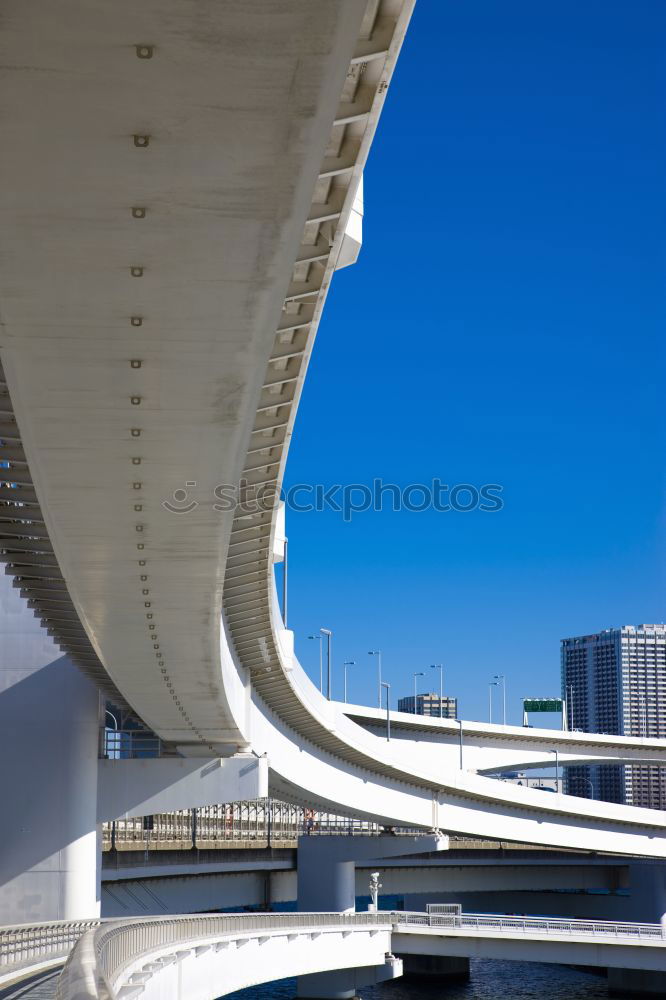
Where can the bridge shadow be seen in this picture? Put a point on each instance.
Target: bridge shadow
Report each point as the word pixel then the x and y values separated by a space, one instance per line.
pixel 48 766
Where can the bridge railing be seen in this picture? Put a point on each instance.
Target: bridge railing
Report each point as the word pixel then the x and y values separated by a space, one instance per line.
pixel 536 925
pixel 123 744
pixel 255 823
pixel 101 956
pixel 29 945
pixel 99 950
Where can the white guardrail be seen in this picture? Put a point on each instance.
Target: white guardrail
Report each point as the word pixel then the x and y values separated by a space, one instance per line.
pixel 29 946
pixel 436 917
pixel 98 961
pixel 100 950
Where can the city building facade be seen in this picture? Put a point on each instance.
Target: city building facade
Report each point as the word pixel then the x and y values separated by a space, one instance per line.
pixel 430 704
pixel 614 681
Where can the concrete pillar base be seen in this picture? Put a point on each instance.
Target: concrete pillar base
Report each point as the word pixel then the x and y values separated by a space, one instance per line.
pixel 436 967
pixel 49 718
pixel 327 986
pixel 636 983
pixel 343 983
pixel 327 883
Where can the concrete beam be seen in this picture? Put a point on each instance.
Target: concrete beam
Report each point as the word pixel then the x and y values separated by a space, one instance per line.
pixel 140 787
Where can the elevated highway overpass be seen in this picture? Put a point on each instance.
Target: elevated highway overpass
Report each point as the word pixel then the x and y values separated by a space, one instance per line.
pixel 180 184
pixel 491 749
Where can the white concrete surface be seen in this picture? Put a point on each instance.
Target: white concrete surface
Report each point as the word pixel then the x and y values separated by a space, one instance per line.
pixel 201 958
pixel 494 748
pixel 563 946
pixel 142 787
pixel 259 120
pixel 239 102
pixel 49 718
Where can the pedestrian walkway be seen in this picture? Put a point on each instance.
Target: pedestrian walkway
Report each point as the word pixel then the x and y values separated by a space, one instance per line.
pixel 39 987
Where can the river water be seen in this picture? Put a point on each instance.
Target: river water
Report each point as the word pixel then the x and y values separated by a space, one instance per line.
pixel 489 980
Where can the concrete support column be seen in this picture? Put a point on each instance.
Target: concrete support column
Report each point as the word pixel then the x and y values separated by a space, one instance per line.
pixel 636 983
pixel 436 968
pixel 325 884
pixel 326 879
pixel 647 902
pixel 49 717
pixel 647 891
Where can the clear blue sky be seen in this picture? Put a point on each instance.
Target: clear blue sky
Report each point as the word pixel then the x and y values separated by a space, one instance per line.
pixel 504 324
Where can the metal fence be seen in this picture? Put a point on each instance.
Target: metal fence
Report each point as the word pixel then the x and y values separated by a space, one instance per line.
pixel 533 925
pixel 251 823
pixel 116 946
pixel 120 744
pixel 24 945
pixel 444 910
pixel 115 943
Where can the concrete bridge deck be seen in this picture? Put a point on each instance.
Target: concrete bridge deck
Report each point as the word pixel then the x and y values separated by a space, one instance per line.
pixel 217 954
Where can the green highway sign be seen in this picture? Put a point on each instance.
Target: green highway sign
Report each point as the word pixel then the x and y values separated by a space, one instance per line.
pixel 542 704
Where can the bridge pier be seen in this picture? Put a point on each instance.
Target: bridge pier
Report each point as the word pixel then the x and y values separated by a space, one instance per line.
pixel 636 983
pixel 436 968
pixel 647 883
pixel 49 716
pixel 326 882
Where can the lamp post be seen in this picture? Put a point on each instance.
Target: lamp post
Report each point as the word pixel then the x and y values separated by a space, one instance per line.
pixel 321 660
pixel 440 667
pixel 388 709
pixel 502 678
pixel 493 684
pixel 115 752
pixel 285 583
pixel 347 663
pixel 327 632
pixel 557 769
pixel 378 654
pixel 375 886
pixel 419 673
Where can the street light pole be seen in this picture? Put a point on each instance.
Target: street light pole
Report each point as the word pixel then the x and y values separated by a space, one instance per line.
pixel 502 678
pixel 347 663
pixel 321 661
pixel 388 709
pixel 285 583
pixel 490 700
pixel 440 667
pixel 327 632
pixel 378 654
pixel 557 769
pixel 420 673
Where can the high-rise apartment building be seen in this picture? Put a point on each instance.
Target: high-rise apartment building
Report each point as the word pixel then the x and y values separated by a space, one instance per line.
pixel 429 704
pixel 615 682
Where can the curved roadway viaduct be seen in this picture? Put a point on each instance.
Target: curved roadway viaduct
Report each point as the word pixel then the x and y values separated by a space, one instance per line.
pixel 207 956
pixel 180 181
